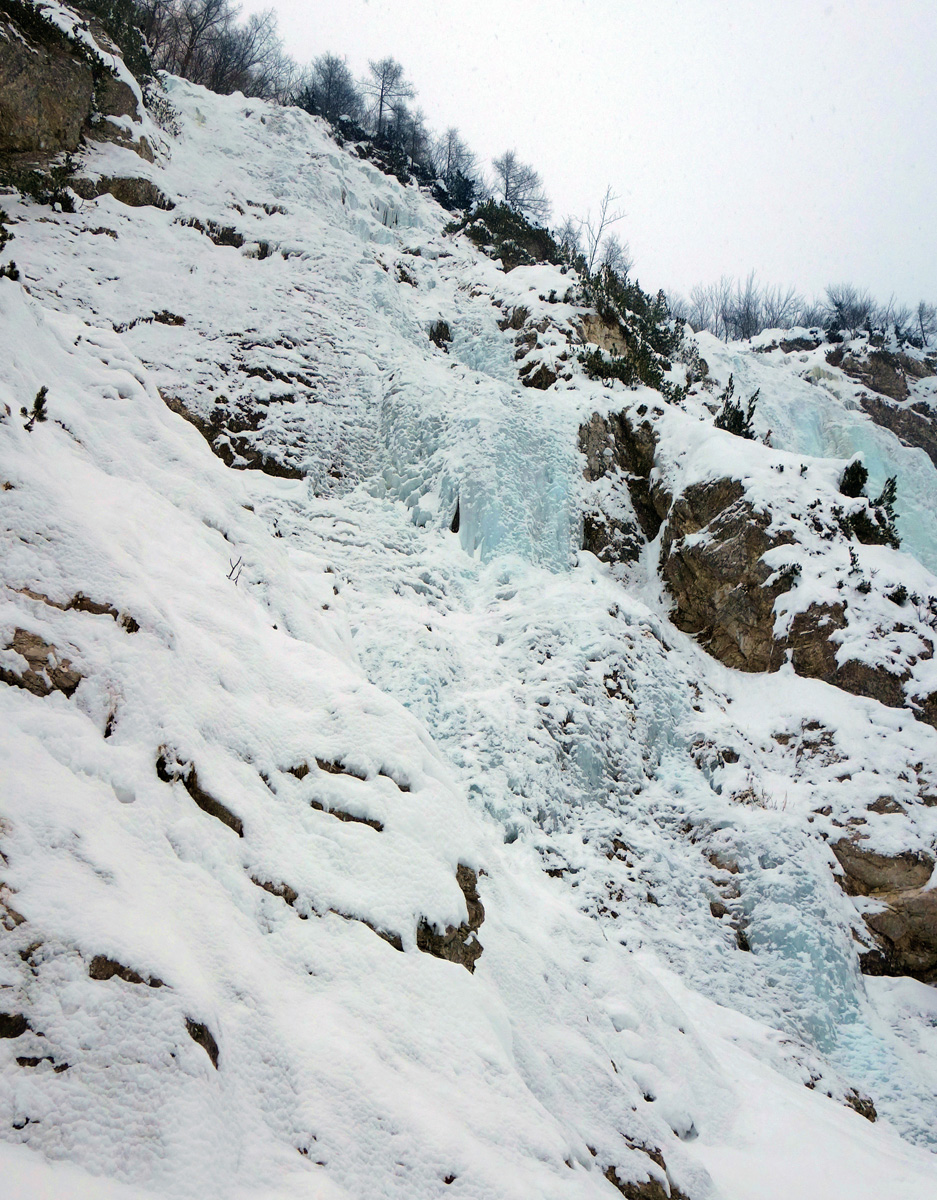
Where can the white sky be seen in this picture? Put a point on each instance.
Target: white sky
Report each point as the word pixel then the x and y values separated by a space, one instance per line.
pixel 796 137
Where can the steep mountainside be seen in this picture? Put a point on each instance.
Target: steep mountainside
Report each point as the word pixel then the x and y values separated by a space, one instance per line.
pixel 426 770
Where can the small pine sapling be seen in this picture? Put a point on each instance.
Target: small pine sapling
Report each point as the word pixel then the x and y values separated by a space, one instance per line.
pixel 879 528
pixel 38 412
pixel 854 479
pixel 8 271
pixel 732 417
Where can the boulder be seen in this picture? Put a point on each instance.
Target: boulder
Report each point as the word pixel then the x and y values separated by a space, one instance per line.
pixel 907 934
pixel 133 190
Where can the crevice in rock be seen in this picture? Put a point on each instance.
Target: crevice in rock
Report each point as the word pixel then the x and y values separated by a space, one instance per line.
pixel 13 1025
pixel 103 968
pixel 341 815
pixel 171 771
pixel 82 603
pixel 203 1036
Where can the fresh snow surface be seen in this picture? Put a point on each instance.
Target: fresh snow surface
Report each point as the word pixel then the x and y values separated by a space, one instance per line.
pixel 496 697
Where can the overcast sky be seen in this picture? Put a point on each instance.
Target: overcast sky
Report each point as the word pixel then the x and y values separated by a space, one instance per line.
pixel 795 137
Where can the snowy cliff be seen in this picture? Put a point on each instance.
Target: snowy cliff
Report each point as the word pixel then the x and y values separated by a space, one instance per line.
pixel 361 834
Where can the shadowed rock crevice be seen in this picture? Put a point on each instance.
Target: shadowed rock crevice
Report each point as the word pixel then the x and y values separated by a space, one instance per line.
pixel 203 1036
pixel 170 770
pixel 102 967
pixel 13 1025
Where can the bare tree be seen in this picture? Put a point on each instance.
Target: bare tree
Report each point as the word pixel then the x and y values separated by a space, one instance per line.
pixel 723 293
pixel 848 307
pixel 156 24
pixel 520 186
pixel 569 237
pixel 247 58
pixel 701 309
pixel 926 318
pixel 780 307
pixel 811 313
pixel 329 90
pixel 451 156
pixel 616 255
pixel 595 232
pixel 196 21
pixel 744 313
pixel 385 85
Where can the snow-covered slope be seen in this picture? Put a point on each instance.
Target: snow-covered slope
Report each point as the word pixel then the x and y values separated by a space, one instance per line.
pixel 274 727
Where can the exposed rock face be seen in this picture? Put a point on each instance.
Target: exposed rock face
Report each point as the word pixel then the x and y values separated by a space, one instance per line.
pixel 650 1189
pixel 104 968
pixel 905 929
pixel 622 451
pixel 913 427
pixel 712 559
pixel 881 371
pixel 459 944
pixel 45 672
pixel 54 92
pixel 46 89
pixel 169 770
pixel 607 336
pixel 867 873
pixel 202 1036
pixel 620 455
pixel 539 376
pixel 225 431
pixel 440 334
pixel 719 582
pixel 131 190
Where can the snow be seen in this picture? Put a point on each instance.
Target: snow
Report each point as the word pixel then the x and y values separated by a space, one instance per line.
pixel 493 697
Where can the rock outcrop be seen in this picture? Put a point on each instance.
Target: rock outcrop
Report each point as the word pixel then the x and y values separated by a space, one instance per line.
pixel 619 454
pixel 458 943
pixel 46 670
pixel 915 427
pixel 57 90
pixel 882 371
pixel 904 922
pixel 716 559
pixel 46 85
